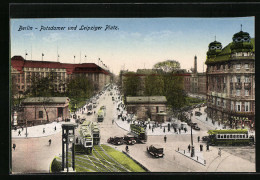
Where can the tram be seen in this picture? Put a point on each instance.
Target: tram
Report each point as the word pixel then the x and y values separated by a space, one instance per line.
pixel 89 135
pixel 139 132
pixel 230 137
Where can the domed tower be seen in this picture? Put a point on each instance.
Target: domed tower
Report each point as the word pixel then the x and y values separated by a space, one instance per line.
pixel 241 43
pixel 214 49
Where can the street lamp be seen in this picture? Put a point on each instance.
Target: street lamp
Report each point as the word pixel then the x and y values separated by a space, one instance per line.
pixel 192 147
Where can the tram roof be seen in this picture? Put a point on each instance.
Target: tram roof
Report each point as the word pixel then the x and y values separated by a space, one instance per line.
pixel 228 131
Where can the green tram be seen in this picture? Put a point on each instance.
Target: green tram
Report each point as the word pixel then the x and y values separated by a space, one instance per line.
pixel 230 137
pixel 89 135
pixel 139 132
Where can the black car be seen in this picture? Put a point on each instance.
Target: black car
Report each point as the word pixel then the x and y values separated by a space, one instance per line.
pixel 156 152
pixel 197 113
pixel 195 126
pixel 116 140
pixel 130 140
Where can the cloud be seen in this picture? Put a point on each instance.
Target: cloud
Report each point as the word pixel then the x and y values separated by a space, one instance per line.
pixel 30 35
pixel 52 37
pixel 162 35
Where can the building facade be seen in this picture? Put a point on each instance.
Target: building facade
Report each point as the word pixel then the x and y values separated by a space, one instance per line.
pixel 23 70
pixel 144 107
pixel 231 81
pixel 40 110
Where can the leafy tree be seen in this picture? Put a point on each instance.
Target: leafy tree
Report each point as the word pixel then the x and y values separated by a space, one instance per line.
pixel 154 85
pixel 131 84
pixel 168 66
pixel 173 90
pixel 80 87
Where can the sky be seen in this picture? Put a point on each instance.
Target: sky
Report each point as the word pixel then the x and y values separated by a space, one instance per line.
pixel 127 43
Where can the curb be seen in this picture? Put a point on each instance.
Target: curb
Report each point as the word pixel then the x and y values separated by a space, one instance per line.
pixel 136 161
pixel 190 158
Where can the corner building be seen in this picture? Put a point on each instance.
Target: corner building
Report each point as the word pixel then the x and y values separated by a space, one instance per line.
pixel 231 82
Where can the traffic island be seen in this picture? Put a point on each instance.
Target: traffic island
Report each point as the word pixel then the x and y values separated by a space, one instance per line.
pixel 198 157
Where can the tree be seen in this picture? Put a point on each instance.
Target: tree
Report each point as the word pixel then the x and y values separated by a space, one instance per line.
pixel 168 66
pixel 80 87
pixel 131 84
pixel 154 85
pixel 173 90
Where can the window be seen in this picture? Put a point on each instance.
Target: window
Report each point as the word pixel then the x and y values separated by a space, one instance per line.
pixel 238 91
pixel 246 92
pixel 238 106
pixel 218 102
pixel 247 106
pixel 247 80
pixel 238 79
pixel 40 114
pixel 224 103
pixel 238 66
pixel 246 66
pixel 232 105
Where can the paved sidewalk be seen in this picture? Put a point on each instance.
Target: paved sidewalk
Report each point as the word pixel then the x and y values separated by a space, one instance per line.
pixel 37 131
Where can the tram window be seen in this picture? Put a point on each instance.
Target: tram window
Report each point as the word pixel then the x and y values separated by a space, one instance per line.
pixel 246 136
pixel 221 136
pixel 225 136
pixel 243 136
pixel 240 136
pixel 234 136
pixel 228 136
pixel 218 136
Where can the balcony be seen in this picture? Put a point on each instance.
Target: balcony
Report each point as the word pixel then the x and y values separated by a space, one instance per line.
pixel 238 85
pixel 247 85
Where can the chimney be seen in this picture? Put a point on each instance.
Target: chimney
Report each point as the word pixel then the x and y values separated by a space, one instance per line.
pixel 195 64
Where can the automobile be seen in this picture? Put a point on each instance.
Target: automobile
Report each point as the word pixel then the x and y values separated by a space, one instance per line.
pixel 197 113
pixel 129 140
pixel 195 126
pixel 116 140
pixel 156 152
pixel 205 138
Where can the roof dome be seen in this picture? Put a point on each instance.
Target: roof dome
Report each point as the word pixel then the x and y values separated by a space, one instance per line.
pixel 241 42
pixel 241 37
pixel 214 48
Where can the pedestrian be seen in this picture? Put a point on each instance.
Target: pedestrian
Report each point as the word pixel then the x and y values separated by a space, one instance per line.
pixel 175 130
pixel 14 146
pixel 219 152
pixel 189 147
pixel 165 138
pixel 201 147
pixel 164 129
pixel 198 138
pixel 126 148
pixel 19 133
pixel 43 130
pixel 113 121
pixel 15 128
pixel 206 118
pixel 185 129
pixel 55 128
pixel 152 129
pixel 149 126
pixel 207 147
pixel 49 142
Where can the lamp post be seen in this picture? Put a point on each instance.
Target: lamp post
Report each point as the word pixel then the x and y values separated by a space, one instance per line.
pixel 192 147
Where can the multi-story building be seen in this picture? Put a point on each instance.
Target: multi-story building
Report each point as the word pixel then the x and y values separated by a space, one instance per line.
pixel 22 70
pixel 231 81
